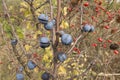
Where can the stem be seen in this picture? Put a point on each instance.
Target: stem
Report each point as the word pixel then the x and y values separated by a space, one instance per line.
pixel 20 61
pixel 51 17
pixel 81 14
pixel 55 44
pixel 58 13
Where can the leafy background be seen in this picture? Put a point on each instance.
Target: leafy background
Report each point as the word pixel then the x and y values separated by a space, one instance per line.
pixel 24 23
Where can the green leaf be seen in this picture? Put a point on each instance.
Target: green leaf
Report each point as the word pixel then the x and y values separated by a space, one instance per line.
pixel 20 32
pixel 7 29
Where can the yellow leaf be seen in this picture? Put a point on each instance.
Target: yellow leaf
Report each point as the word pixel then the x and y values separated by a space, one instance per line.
pixel 81 65
pixel 23 4
pixel 75 79
pixel 68 60
pixel 37 3
pixel 74 64
pixel 9 67
pixel 64 25
pixel 107 53
pixel 49 52
pixel 39 32
pixel 45 58
pixel 36 70
pixel 28 25
pixel 10 7
pixel 65 11
pixel 75 72
pixel 35 36
pixel 27 47
pixel 22 9
pixel 61 70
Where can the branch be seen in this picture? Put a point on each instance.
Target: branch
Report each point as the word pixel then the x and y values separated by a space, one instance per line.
pixel 74 44
pixel 47 1
pixel 81 14
pixel 32 9
pixel 103 74
pixel 20 61
pixel 57 40
pixel 86 70
pixel 58 13
pixel 81 20
pixel 51 17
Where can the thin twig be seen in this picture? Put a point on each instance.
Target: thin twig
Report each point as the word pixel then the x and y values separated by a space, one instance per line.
pixel 47 1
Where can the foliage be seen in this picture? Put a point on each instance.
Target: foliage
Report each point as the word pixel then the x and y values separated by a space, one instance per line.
pixel 88 57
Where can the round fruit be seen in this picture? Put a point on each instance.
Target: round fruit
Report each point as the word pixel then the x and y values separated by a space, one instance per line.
pixel 44 42
pixel 45 76
pixel 114 46
pixel 14 42
pixel 43 18
pixel 50 25
pixel 61 57
pixel 92 29
pixel 31 65
pixel 66 39
pixel 116 52
pixel 19 76
pixel 86 4
pixel 86 28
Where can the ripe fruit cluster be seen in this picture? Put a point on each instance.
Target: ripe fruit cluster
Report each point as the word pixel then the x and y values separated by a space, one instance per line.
pixel 48 25
pixel 88 28
pixel 66 39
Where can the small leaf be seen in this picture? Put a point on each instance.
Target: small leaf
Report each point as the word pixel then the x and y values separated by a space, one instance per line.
pixel 23 4
pixel 29 25
pixel 61 70
pixel 64 25
pixel 48 55
pixel 65 11
pixel 22 10
pixel 27 47
pixel 36 70
pixel 20 32
pixel 75 72
pixel 9 67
